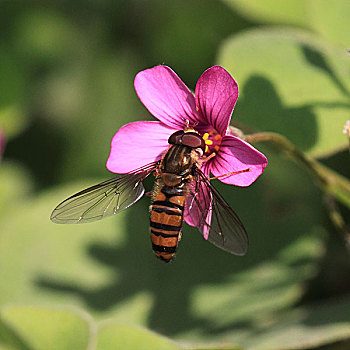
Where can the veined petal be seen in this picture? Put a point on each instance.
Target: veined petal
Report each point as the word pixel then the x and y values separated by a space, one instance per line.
pixel 216 95
pixel 137 144
pixel 235 155
pixel 166 96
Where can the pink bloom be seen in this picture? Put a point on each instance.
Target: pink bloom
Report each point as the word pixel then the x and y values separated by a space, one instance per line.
pixel 209 112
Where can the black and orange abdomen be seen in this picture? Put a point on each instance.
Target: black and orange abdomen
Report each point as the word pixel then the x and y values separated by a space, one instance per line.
pixel 167 211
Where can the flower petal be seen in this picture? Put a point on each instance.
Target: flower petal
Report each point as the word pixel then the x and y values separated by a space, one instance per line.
pixel 234 155
pixel 216 95
pixel 166 96
pixel 137 144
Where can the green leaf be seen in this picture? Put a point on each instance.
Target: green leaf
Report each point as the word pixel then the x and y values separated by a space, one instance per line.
pixel 275 11
pixel 47 328
pixel 113 335
pixel 327 18
pixel 15 184
pixel 330 20
pixel 291 83
pixel 9 339
pixel 35 250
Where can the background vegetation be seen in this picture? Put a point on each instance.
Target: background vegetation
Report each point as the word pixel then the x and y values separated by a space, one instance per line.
pixel 66 82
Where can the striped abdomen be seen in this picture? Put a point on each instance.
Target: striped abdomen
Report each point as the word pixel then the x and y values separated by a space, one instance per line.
pixel 167 211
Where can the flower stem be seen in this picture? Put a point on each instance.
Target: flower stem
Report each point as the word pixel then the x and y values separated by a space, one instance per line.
pixel 329 181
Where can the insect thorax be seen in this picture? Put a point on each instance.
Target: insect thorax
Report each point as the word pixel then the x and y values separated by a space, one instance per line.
pixel 177 165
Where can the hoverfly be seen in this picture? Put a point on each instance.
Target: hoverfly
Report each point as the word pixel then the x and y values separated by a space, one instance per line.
pixel 181 188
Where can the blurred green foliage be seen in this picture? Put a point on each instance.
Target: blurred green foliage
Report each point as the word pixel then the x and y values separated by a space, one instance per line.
pixel 67 71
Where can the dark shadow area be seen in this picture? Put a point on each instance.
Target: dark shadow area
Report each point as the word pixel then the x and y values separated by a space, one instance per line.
pixel 39 148
pixel 333 277
pixel 261 106
pixel 336 345
pixel 340 312
pixel 316 59
pixel 339 162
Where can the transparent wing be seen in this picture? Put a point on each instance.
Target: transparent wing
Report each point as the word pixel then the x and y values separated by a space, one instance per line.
pixel 210 213
pixel 102 200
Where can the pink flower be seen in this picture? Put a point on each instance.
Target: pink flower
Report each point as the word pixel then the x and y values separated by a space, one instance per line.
pixel 209 112
pixel 166 97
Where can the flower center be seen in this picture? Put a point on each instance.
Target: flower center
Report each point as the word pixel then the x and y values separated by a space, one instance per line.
pixel 212 141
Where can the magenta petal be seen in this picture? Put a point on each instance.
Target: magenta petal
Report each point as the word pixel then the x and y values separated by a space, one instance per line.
pixel 137 144
pixel 166 96
pixel 198 208
pixel 216 95
pixel 234 155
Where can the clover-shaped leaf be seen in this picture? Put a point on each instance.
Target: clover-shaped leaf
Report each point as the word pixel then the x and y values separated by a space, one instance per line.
pixel 46 328
pixel 292 83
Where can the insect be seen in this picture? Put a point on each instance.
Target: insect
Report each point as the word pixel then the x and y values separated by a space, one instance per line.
pixel 181 188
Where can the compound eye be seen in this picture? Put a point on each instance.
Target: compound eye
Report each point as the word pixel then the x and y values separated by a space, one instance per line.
pixel 193 140
pixel 175 138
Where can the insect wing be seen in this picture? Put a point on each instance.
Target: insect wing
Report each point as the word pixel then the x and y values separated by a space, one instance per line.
pixel 209 212
pixel 103 200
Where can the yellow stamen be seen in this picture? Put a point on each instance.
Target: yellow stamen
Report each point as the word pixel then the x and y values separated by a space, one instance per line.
pixel 205 136
pixel 206 149
pixel 208 142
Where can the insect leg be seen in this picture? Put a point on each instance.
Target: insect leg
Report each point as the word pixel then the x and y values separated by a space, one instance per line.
pixel 229 174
